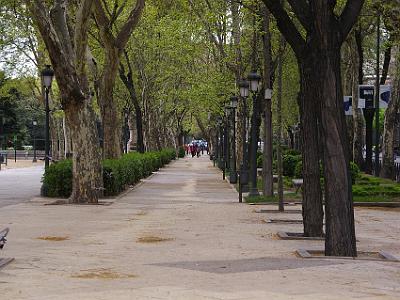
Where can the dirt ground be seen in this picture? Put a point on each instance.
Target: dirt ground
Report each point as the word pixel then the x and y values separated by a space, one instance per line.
pixel 181 234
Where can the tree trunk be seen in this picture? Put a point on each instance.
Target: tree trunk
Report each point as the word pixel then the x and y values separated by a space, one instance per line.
pixel 357 78
pixel 112 139
pixel 312 195
pixel 391 121
pixel 87 170
pixel 268 184
pixel 340 232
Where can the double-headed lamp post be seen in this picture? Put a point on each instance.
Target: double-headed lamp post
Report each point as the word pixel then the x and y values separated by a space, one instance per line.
pixel 47 78
pixel 233 172
pixel 254 84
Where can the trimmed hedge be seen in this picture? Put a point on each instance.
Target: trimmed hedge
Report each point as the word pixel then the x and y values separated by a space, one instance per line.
pixel 117 173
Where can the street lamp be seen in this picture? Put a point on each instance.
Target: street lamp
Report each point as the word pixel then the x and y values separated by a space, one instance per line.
pixel 244 172
pixel 34 123
pixel 233 172
pixel 218 150
pixel 254 80
pixel 226 140
pixel 47 78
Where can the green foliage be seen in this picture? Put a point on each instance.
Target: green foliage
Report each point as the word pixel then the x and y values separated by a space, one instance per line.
pixel 298 170
pixel 354 171
pixel 373 189
pixel 117 173
pixel 58 179
pixel 181 152
pixel 289 164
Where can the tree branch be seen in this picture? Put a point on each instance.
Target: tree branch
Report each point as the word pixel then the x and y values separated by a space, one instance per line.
pixel 130 24
pixel 81 34
pixel 302 11
pixel 349 16
pixel 286 26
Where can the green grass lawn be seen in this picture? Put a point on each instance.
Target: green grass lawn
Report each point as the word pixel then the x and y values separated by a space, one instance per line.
pixel 366 189
pixel 288 197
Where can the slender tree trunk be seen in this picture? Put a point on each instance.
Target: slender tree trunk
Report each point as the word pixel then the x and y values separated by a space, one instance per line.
pixel 268 184
pixel 87 171
pixel 279 119
pixel 357 60
pixel 391 121
pixel 340 231
pixel 312 195
pixel 112 139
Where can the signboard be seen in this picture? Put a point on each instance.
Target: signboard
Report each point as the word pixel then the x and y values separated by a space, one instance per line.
pixel 366 95
pixel 348 105
pixel 385 93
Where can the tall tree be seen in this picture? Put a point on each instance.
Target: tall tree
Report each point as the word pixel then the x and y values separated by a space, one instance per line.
pixel 67 47
pixel 318 56
pixel 114 44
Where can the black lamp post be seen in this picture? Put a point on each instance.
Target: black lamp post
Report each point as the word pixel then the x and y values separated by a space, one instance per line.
pixel 219 142
pixel 254 80
pixel 47 78
pixel 232 168
pixel 244 170
pixel 34 124
pixel 226 141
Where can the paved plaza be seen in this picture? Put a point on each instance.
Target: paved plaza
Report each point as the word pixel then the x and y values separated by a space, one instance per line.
pixel 181 234
pixel 19 182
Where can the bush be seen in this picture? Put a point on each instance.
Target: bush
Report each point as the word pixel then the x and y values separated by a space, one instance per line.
pixel 259 159
pixel 298 170
pixel 181 152
pixel 354 171
pixel 58 179
pixel 117 173
pixel 292 152
pixel 289 164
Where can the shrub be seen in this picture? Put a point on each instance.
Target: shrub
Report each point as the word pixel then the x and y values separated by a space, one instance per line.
pixel 181 152
pixel 298 170
pixel 58 179
pixel 354 171
pixel 259 161
pixel 289 164
pixel 292 152
pixel 117 173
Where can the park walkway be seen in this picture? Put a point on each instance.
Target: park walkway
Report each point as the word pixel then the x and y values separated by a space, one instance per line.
pixel 181 234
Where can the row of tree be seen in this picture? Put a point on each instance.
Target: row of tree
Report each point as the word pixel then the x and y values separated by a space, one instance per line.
pixel 169 67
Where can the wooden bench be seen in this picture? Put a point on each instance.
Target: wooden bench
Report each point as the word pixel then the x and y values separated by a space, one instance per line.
pixel 298 184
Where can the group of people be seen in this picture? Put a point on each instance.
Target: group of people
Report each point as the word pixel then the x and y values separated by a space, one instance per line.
pixel 196 148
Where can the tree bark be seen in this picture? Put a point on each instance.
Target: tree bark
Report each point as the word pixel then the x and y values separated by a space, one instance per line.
pixel 127 79
pixel 319 60
pixel 68 60
pixel 114 45
pixel 112 139
pixel 358 78
pixel 268 183
pixel 87 184
pixel 391 120
pixel 312 196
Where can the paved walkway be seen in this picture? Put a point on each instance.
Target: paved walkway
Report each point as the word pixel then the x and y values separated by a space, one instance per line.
pixel 19 184
pixel 182 235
